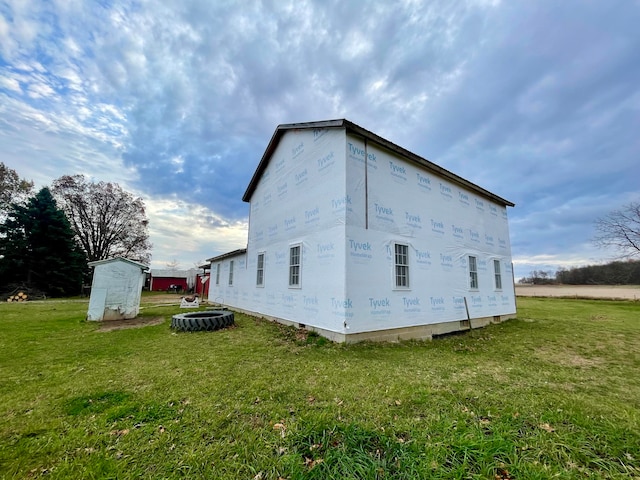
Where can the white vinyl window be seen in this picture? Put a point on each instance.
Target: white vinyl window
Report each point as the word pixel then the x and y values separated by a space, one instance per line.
pixel 473 272
pixel 260 270
pixel 402 265
pixel 231 273
pixel 295 265
pixel 497 274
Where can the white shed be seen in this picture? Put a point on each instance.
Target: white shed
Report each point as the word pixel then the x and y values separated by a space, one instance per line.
pixel 116 289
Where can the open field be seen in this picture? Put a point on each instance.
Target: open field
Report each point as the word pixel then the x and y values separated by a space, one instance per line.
pixel 611 292
pixel 552 394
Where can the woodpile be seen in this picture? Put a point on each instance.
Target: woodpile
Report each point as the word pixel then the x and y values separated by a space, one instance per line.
pixel 19 297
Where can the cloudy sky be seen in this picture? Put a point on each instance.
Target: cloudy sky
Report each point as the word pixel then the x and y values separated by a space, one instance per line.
pixel 176 100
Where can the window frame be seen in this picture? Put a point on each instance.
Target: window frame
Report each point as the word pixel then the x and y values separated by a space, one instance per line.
pixel 295 269
pixel 260 269
pixel 474 284
pixel 401 277
pixel 497 273
pixel 231 273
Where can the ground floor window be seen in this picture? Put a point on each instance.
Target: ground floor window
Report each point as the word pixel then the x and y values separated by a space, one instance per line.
pixel 231 273
pixel 260 270
pixel 402 265
pixel 218 274
pixel 497 274
pixel 295 264
pixel 473 272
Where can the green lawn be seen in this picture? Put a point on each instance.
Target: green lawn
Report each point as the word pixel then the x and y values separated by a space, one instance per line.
pixel 553 394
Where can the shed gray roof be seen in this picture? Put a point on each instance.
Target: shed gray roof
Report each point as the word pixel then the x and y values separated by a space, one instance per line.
pixel 118 259
pixel 356 130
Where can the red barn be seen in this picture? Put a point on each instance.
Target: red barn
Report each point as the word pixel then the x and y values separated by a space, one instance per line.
pixel 169 281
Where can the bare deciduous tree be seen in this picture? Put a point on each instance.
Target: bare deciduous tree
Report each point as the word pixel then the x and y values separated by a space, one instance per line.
pixel 107 221
pixel 173 264
pixel 13 189
pixel 620 229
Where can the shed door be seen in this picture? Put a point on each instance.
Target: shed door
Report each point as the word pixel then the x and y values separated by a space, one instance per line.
pixel 97 303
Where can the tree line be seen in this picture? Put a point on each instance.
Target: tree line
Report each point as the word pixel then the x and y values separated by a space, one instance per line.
pixel 614 273
pixel 618 230
pixel 47 238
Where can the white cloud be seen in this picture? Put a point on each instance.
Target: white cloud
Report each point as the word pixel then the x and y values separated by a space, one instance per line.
pixel 10 83
pixel 190 232
pixel 39 90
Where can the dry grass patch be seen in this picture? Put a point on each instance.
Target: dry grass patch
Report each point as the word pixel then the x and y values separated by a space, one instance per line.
pixel 567 358
pixel 138 322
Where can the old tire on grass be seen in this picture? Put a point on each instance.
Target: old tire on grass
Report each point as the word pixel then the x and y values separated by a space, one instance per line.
pixel 208 320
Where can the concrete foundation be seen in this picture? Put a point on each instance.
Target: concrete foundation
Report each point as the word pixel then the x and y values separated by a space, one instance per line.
pixel 418 332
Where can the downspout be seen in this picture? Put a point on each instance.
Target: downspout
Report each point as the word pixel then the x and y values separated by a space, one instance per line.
pixel 366 187
pixel 513 282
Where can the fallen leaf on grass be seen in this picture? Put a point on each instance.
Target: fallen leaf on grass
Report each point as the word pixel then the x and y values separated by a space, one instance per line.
pixel 119 433
pixel 547 427
pixel 280 426
pixel 258 476
pixel 503 474
pixel 161 429
pixel 309 462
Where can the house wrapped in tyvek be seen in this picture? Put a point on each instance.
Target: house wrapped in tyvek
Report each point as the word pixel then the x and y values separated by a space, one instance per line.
pixel 357 238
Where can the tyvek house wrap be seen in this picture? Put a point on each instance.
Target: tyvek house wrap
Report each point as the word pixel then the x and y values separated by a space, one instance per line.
pixel 347 214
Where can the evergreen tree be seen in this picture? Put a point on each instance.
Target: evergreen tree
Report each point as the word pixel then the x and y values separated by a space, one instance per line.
pixel 37 247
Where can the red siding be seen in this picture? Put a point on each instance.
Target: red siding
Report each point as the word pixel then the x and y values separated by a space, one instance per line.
pixel 202 289
pixel 163 283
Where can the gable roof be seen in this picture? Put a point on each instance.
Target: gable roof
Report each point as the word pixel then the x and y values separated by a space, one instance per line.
pixel 357 130
pixel 235 253
pixel 118 259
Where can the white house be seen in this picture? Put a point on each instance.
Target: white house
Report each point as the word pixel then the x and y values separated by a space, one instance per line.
pixel 116 289
pixel 357 238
